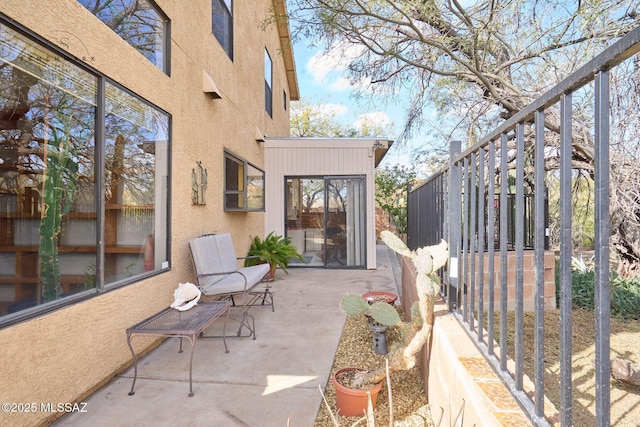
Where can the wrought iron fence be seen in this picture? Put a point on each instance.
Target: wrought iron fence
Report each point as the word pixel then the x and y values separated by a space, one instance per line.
pixel 453 204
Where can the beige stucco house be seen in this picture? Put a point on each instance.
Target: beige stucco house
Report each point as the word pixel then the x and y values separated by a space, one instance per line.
pixel 124 132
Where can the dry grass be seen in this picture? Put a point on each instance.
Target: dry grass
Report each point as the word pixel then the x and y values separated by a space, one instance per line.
pixel 409 400
pixel 625 344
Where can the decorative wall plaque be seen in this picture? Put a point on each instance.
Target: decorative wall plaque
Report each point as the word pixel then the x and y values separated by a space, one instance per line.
pixel 199 185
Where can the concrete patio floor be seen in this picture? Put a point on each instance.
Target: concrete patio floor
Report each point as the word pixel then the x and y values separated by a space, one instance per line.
pixel 272 381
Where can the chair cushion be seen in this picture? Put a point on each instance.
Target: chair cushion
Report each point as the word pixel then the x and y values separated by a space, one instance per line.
pixel 213 254
pixel 233 283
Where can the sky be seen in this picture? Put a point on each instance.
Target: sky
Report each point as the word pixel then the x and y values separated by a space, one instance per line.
pixel 322 79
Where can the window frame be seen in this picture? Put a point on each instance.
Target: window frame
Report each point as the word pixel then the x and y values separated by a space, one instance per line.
pixel 223 11
pixel 268 83
pixel 100 286
pixel 242 194
pixel 165 62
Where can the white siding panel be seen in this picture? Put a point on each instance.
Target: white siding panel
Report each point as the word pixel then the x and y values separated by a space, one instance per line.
pixel 307 157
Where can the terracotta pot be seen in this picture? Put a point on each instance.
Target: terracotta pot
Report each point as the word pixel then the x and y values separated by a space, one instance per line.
pixel 375 296
pixel 352 402
pixel 272 272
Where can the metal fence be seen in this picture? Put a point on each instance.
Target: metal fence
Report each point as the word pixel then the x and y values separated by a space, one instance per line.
pixel 453 204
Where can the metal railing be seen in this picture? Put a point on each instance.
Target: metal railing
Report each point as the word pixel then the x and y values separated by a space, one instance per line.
pixel 453 205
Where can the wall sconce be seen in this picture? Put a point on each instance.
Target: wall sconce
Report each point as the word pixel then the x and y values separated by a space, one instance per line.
pixel 198 185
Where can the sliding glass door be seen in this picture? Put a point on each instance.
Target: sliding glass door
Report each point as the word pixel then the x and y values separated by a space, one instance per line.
pixel 326 220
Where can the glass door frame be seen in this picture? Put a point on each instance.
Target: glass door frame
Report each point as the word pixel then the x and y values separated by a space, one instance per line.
pixel 339 245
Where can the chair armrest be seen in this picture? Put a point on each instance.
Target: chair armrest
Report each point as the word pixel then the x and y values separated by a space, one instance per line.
pixel 252 256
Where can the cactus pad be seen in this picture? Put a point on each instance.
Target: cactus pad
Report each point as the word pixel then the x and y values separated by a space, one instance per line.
pixel 353 304
pixel 384 314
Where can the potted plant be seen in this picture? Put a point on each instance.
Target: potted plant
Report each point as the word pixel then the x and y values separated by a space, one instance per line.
pixel 415 333
pixel 276 249
pixel 350 401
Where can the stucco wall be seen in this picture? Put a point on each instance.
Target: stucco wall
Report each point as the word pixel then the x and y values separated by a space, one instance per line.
pixel 64 355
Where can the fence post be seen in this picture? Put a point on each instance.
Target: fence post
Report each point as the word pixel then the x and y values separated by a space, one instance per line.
pixel 409 229
pixel 455 224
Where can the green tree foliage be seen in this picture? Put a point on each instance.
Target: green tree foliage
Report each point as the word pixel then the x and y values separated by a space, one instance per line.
pixel 312 120
pixel 475 62
pixel 625 292
pixel 320 120
pixel 391 192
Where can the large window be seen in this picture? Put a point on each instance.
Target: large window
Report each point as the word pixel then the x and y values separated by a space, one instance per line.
pixel 140 23
pixel 268 83
pixel 135 185
pixel 222 24
pixel 83 180
pixel 243 186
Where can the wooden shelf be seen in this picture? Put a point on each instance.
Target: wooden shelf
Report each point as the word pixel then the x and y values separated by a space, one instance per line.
pixel 112 206
pixel 25 279
pixel 77 249
pixel 81 215
pixel 16 279
pixel 65 278
pixel 74 214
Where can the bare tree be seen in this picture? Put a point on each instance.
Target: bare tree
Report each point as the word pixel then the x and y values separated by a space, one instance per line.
pixel 484 62
pixel 625 161
pixel 478 63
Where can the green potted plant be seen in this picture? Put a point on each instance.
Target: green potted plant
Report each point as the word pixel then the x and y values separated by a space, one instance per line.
pixel 277 249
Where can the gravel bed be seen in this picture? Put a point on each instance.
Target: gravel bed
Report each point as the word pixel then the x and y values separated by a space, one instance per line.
pixel 409 400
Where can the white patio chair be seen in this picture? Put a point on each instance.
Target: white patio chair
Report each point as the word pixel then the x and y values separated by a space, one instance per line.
pixel 218 275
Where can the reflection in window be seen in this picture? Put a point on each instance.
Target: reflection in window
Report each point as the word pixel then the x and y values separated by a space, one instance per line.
pixel 255 188
pixel 222 24
pixel 268 83
pixel 49 206
pixel 135 137
pixel 139 22
pixel 244 185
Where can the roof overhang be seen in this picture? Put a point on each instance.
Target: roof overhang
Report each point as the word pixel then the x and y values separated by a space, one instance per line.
pixel 282 22
pixel 378 147
pixel 381 147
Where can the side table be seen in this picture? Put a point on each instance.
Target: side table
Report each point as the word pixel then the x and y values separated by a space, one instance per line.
pixel 182 324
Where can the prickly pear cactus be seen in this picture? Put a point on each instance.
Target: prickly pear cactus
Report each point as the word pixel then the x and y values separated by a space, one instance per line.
pixel 354 305
pixel 384 313
pixel 427 260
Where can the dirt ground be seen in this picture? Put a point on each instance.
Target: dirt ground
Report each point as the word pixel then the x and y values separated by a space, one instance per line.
pixel 625 344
